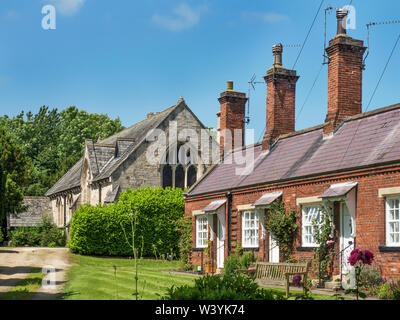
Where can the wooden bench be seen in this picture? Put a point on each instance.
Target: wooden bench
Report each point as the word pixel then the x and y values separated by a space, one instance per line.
pixel 268 273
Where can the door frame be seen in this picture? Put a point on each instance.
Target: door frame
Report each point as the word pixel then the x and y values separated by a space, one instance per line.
pixel 276 247
pixel 220 240
pixel 342 245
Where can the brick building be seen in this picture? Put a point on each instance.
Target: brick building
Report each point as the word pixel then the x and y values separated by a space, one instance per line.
pixel 350 163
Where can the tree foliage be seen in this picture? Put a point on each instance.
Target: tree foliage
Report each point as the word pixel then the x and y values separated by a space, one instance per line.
pixel 15 169
pixel 54 141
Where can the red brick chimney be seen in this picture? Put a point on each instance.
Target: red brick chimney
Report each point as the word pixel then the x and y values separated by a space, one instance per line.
pixel 231 118
pixel 344 75
pixel 281 94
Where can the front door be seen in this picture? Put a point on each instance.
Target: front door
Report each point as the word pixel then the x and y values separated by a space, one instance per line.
pixel 346 240
pixel 220 244
pixel 273 249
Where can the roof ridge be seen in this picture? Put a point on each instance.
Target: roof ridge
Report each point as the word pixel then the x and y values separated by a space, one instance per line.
pixel 373 112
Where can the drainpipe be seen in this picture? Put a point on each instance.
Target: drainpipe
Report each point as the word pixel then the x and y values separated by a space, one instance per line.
pixel 65 214
pixel 228 219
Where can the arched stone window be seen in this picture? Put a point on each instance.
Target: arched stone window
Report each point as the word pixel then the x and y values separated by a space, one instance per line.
pixel 191 176
pixel 167 176
pixel 179 177
pixel 181 167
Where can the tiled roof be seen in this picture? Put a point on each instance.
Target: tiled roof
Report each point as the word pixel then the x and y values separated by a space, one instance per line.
pixel 339 189
pixel 104 152
pixel 268 198
pixel 215 205
pixel 364 140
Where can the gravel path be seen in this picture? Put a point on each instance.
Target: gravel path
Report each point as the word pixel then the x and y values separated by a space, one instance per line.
pixel 16 263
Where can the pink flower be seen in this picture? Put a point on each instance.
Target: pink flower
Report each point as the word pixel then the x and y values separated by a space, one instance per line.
pixel 329 242
pixel 354 257
pixel 366 256
pixel 296 280
pixel 252 268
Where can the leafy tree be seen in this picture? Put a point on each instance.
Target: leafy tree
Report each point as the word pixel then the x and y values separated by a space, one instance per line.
pixel 54 141
pixel 15 169
pixel 76 126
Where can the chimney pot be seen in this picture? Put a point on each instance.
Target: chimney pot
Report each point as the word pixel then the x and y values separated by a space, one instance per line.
pixel 281 95
pixel 341 15
pixel 345 68
pixel 231 118
pixel 277 52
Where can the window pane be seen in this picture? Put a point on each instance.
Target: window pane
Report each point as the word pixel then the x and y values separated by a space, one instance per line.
pixel 250 229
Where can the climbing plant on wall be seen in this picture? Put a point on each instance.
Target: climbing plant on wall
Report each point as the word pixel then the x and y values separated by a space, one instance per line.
pixel 282 224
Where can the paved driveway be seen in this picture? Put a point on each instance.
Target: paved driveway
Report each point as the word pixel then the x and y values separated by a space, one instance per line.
pixel 16 263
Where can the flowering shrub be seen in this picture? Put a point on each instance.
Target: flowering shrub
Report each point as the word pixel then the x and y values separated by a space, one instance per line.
pixel 283 225
pixel 394 288
pixel 364 256
pixel 296 280
pixel 359 259
pixel 324 253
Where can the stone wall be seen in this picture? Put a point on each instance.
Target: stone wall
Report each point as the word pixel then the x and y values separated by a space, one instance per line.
pixel 36 209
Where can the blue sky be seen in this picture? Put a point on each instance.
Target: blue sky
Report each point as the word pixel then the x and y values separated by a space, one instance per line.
pixel 128 58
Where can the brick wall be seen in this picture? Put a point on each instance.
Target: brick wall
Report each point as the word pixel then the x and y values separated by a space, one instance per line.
pixel 281 100
pixel 344 79
pixel 233 107
pixel 370 217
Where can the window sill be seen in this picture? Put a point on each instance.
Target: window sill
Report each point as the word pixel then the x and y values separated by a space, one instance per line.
pixel 305 249
pixel 251 248
pixel 389 249
pixel 198 249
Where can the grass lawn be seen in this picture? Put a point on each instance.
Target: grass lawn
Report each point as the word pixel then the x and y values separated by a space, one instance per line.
pixel 25 288
pixel 93 278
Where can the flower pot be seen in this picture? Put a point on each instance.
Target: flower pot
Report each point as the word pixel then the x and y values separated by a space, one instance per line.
pixel 210 268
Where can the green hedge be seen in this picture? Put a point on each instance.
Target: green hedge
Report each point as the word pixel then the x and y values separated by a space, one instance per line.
pixel 100 230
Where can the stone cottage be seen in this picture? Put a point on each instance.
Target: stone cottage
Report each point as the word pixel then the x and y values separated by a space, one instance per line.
pixel 122 161
pixel 350 163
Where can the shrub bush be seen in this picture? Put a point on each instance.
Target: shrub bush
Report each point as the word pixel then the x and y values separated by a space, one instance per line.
pixel 371 280
pixel 236 262
pixel 45 235
pixel 231 264
pixel 100 230
pixel 395 290
pixel 232 287
pixel 384 291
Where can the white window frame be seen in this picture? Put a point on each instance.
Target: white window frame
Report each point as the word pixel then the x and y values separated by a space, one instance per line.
pixel 201 233
pixel 388 220
pixel 306 225
pixel 255 228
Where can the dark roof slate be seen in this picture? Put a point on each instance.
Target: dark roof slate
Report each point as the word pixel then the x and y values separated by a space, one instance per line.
pixel 364 140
